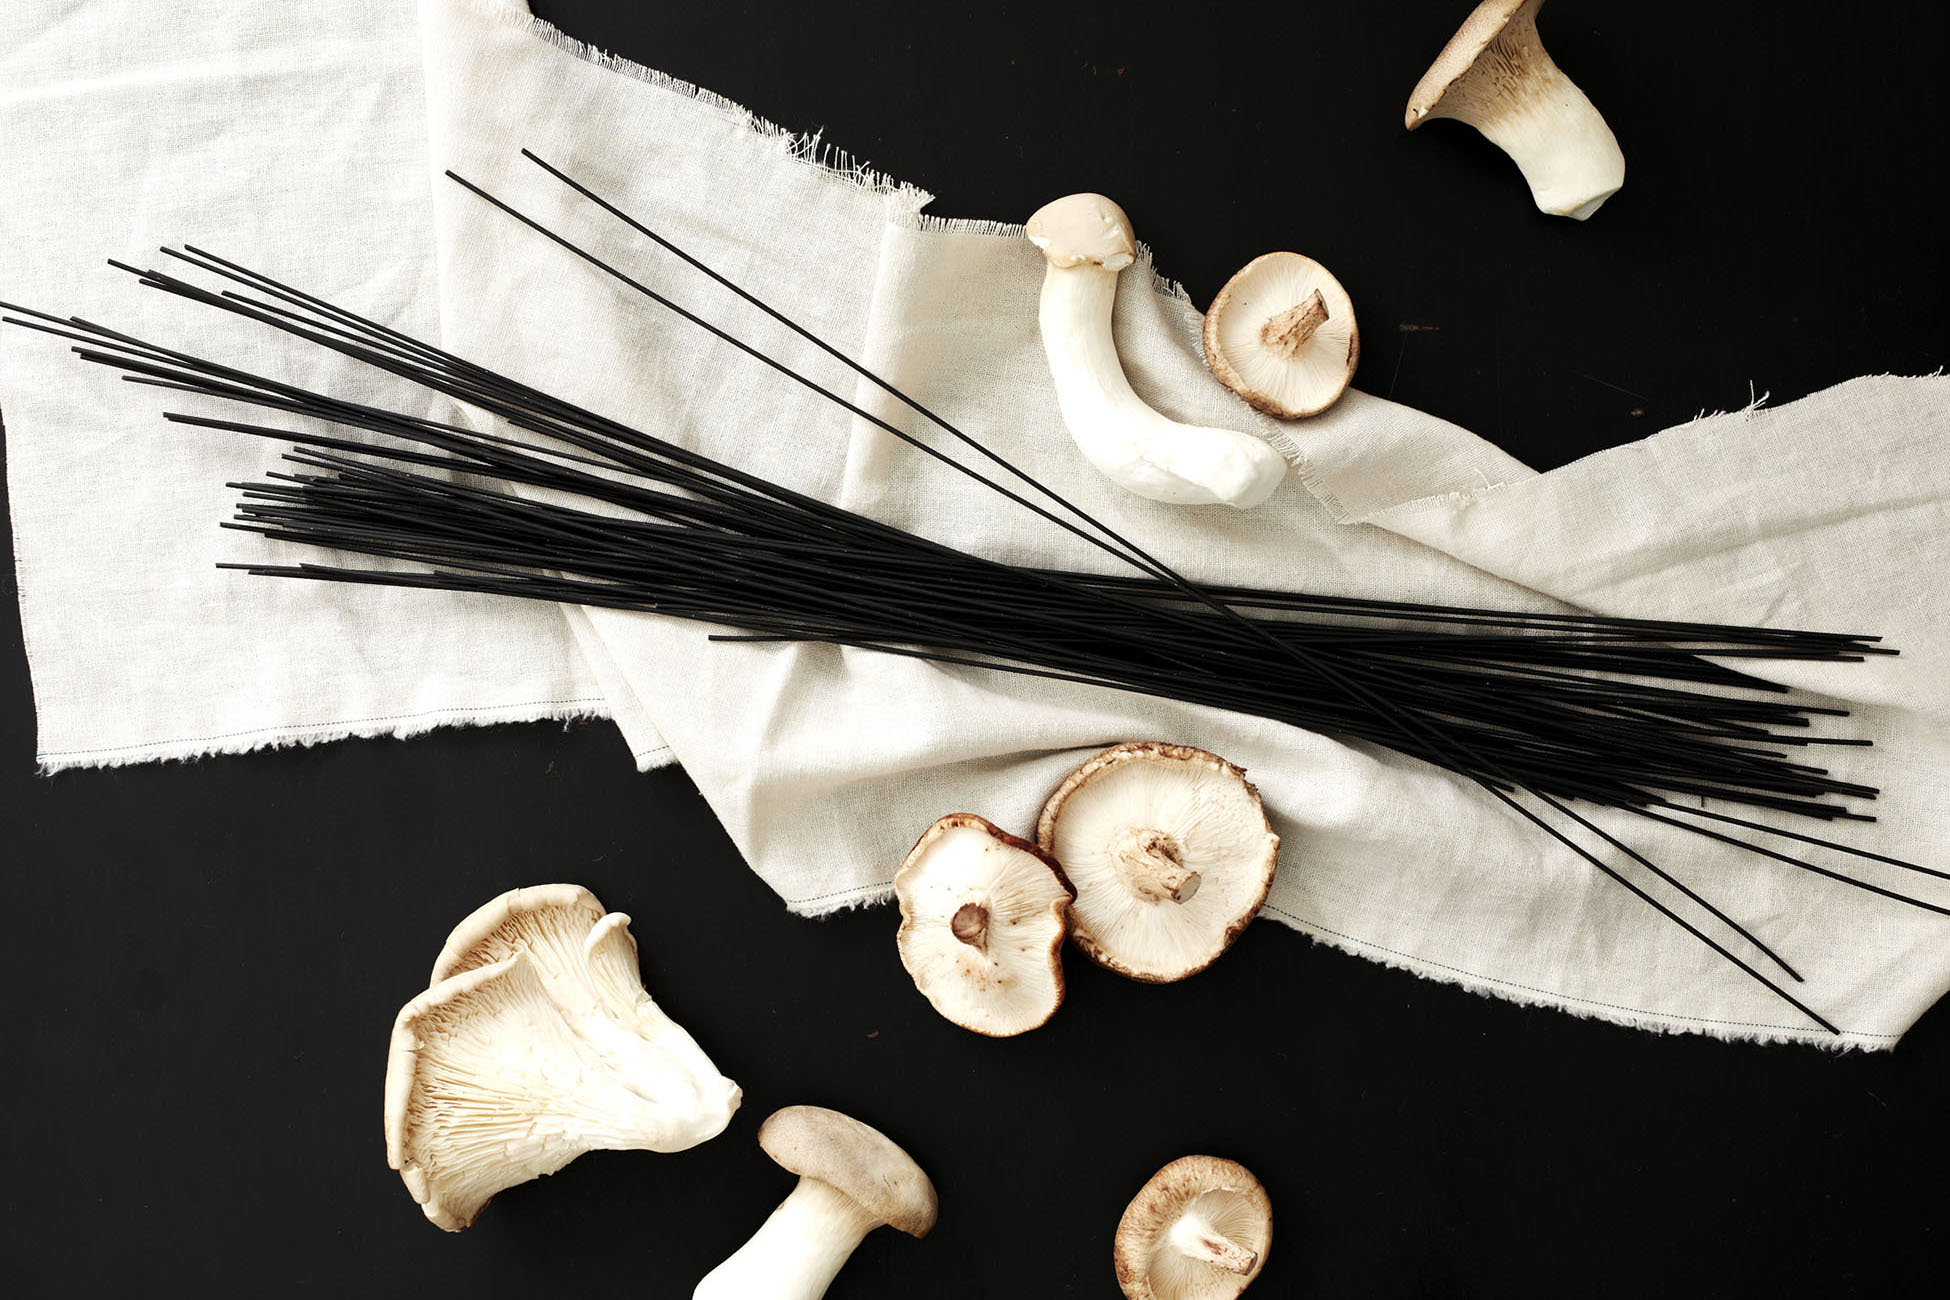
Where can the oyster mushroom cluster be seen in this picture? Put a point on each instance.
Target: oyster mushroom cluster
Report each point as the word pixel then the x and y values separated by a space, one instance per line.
pixel 1150 857
pixel 535 1042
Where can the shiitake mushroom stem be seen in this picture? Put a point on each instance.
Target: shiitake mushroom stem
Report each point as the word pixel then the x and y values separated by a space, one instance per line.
pixel 1288 332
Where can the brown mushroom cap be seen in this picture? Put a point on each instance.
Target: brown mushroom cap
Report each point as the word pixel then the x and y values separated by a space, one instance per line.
pixel 1170 852
pixel 855 1159
pixel 1199 1230
pixel 1282 335
pixel 983 916
pixel 1083 229
pixel 1482 26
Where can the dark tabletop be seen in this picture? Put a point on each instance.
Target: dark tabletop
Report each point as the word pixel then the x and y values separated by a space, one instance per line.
pixel 206 957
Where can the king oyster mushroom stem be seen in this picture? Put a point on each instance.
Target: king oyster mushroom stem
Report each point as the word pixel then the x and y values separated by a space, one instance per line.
pixel 852 1179
pixel 1086 240
pixel 1198 1230
pixel 983 916
pixel 536 1043
pixel 1170 852
pixel 1495 75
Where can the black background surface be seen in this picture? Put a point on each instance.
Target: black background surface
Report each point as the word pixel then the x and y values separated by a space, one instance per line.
pixel 203 959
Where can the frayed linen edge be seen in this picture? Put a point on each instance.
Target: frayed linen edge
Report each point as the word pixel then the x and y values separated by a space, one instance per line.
pixel 820 906
pixel 396 727
pixel 1732 1031
pixel 808 147
pixel 1657 1022
pixel 1757 404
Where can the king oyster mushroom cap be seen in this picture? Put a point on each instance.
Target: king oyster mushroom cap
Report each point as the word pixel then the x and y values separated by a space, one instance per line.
pixel 982 925
pixel 1495 75
pixel 1199 1230
pixel 1281 334
pixel 505 1071
pixel 852 1179
pixel 1086 240
pixel 1170 852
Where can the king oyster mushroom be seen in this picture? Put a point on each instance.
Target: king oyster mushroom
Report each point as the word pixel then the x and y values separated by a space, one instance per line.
pixel 1199 1230
pixel 537 1042
pixel 1169 851
pixel 982 925
pixel 1086 240
pixel 1495 75
pixel 852 1179
pixel 1281 334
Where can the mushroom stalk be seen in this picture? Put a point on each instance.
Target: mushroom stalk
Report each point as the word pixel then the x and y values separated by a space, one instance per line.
pixel 971 926
pixel 1136 446
pixel 1152 866
pixel 1558 140
pixel 797 1252
pixel 1289 331
pixel 1087 240
pixel 1195 1237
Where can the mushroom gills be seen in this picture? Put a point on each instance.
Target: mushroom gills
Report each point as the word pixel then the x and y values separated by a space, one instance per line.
pixel 1169 851
pixel 1199 1229
pixel 536 1042
pixel 1495 75
pixel 1214 1232
pixel 1282 335
pixel 983 918
pixel 492 1083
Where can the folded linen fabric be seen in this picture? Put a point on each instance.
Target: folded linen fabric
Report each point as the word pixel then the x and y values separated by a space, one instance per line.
pixel 825 762
pixel 292 134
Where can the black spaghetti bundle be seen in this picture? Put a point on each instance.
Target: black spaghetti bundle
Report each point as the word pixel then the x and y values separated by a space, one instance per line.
pixel 1542 710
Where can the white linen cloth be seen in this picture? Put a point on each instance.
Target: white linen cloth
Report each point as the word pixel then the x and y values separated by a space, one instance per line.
pixel 825 763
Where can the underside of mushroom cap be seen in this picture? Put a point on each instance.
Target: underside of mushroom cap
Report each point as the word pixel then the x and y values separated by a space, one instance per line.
pixel 1170 852
pixel 1484 24
pixel 540 1042
pixel 549 921
pixel 490 1083
pixel 1200 1229
pixel 1495 75
pixel 982 925
pixel 1282 335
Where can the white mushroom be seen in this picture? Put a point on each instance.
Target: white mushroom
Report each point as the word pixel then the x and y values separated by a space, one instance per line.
pixel 852 1179
pixel 1087 240
pixel 1199 1230
pixel 1281 334
pixel 1170 852
pixel 1495 75
pixel 536 1045
pixel 982 925
pixel 549 922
